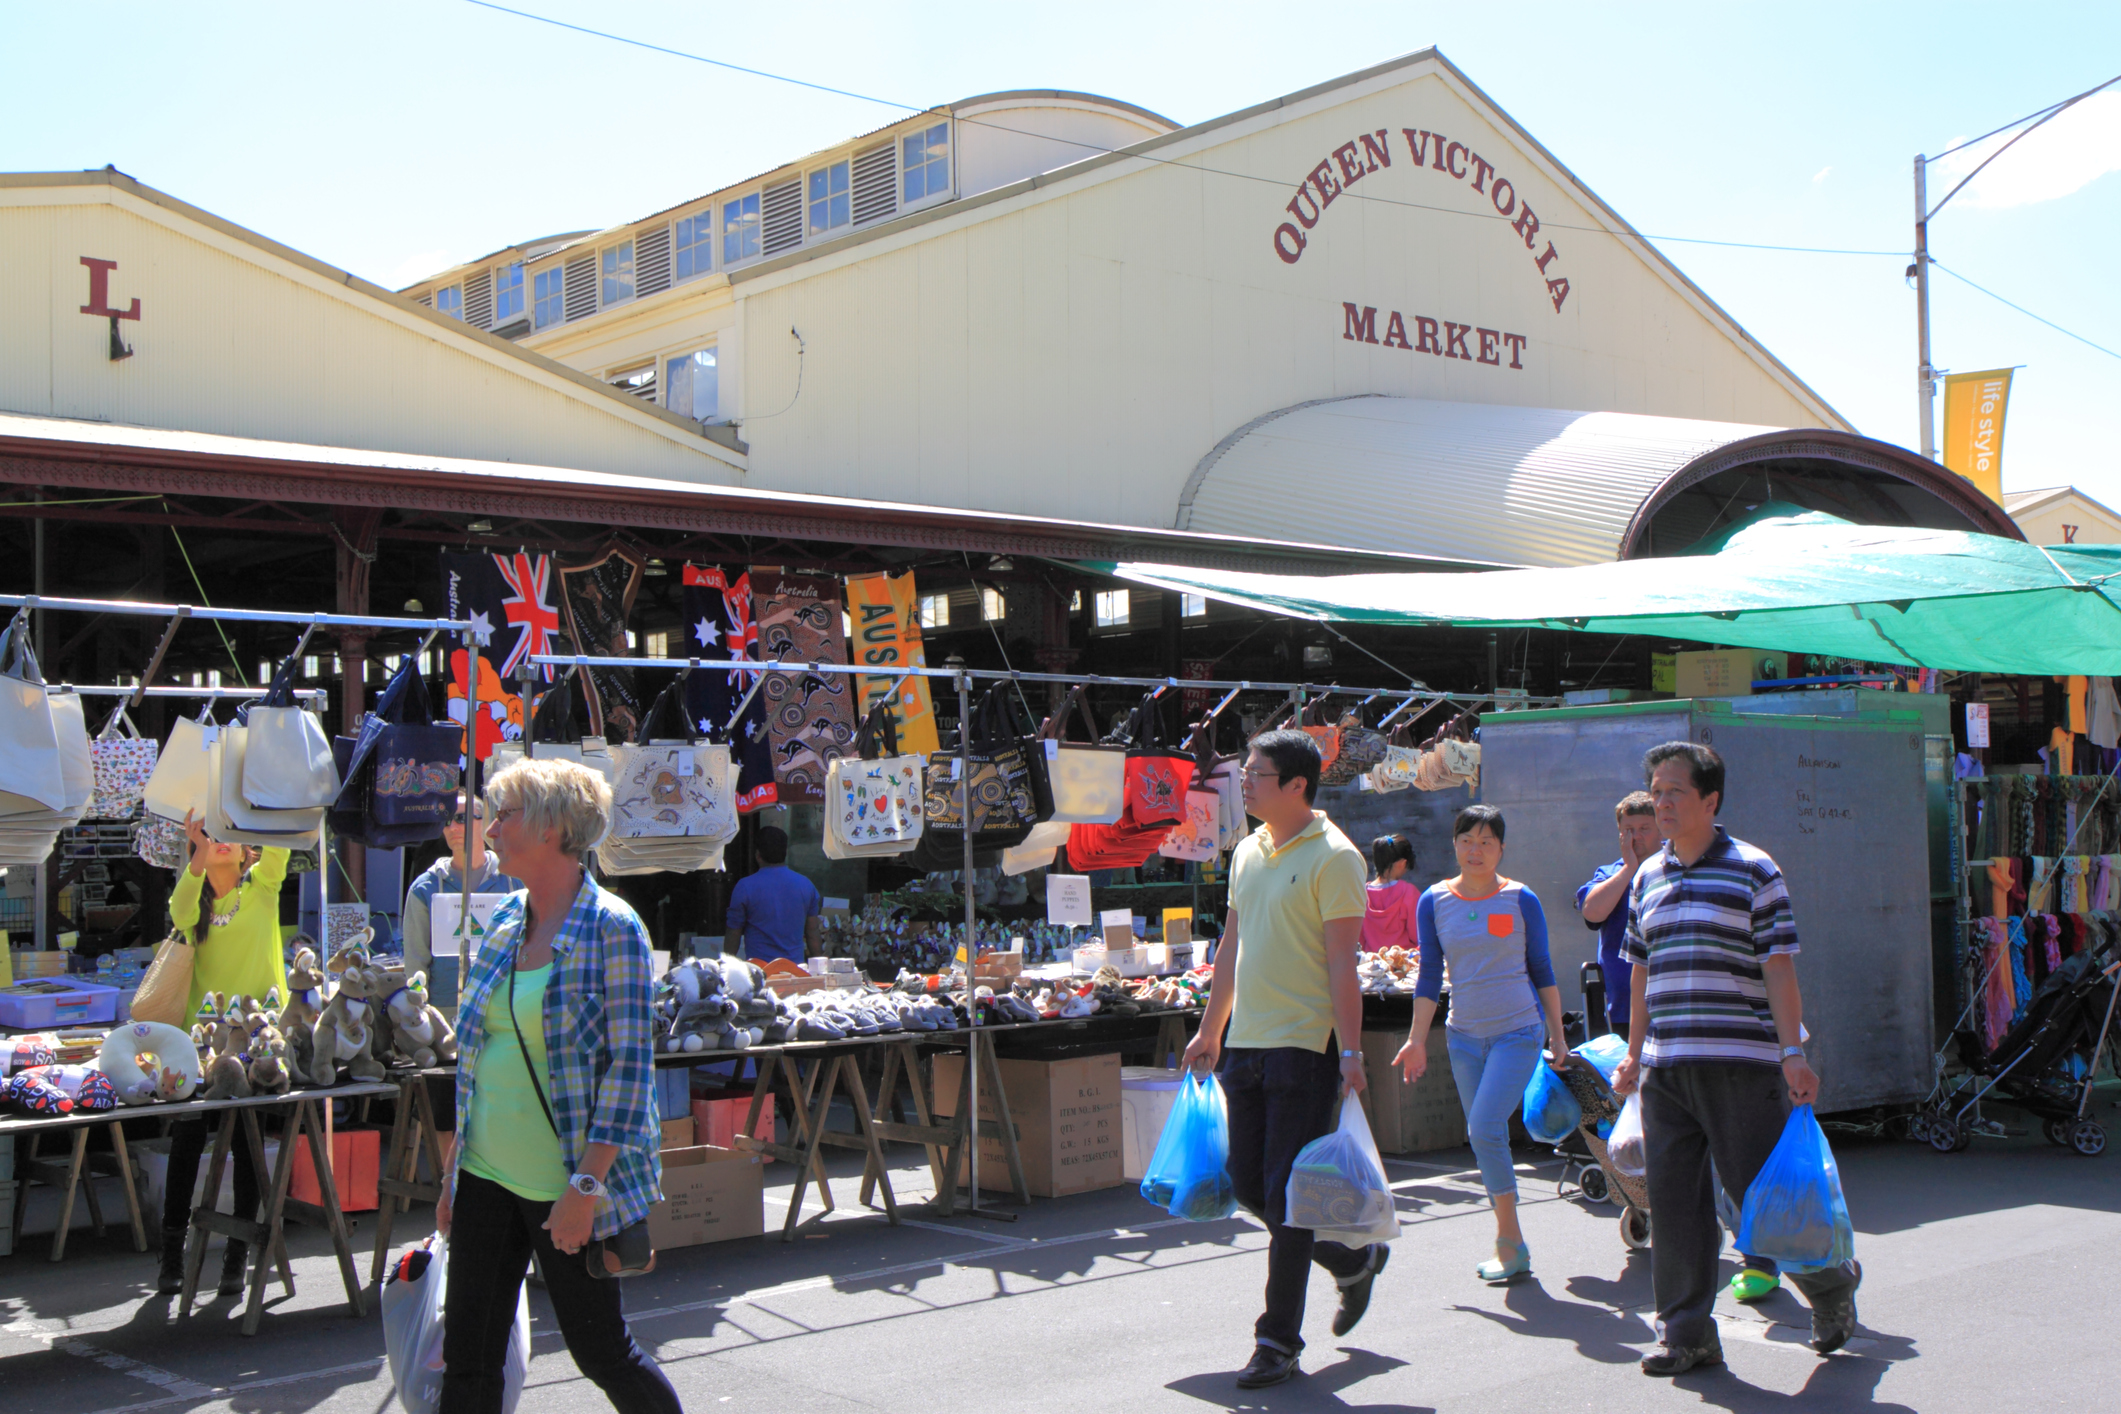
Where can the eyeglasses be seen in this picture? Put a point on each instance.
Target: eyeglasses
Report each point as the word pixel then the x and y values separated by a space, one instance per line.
pixel 1249 774
pixel 504 813
pixel 461 816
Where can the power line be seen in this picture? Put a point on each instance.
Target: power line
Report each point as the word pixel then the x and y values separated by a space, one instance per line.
pixel 2048 111
pixel 1142 156
pixel 2023 310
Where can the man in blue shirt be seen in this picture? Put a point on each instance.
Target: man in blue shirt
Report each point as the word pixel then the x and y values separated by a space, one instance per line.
pixel 1604 901
pixel 775 911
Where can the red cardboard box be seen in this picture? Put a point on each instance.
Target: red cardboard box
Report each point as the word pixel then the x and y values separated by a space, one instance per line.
pixel 720 1118
pixel 356 1163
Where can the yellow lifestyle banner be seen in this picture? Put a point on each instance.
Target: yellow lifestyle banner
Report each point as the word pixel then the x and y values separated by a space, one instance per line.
pixel 1973 427
pixel 887 634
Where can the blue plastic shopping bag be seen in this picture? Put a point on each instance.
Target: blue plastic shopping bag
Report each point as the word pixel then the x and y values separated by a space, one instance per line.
pixel 1794 1212
pixel 1605 1053
pixel 1551 1113
pixel 1189 1174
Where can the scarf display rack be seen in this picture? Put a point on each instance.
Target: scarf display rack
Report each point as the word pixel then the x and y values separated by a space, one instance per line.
pixel 177 615
pixel 963 678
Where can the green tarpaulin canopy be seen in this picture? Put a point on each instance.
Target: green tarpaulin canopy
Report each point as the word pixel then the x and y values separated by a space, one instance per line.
pixel 1798 581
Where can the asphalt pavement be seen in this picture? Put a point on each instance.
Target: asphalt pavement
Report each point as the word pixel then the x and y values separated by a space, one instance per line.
pixel 1988 1287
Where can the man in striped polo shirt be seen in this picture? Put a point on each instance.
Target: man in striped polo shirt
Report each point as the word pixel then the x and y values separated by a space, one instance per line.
pixel 1717 1015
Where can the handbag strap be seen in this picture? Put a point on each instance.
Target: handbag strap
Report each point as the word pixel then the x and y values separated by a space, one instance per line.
pixel 20 659
pixel 1077 702
pixel 670 700
pixel 528 1068
pixel 879 722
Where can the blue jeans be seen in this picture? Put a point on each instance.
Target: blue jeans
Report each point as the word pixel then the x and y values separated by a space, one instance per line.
pixel 1492 1072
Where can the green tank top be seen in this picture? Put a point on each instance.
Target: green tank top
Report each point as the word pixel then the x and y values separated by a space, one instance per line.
pixel 511 1141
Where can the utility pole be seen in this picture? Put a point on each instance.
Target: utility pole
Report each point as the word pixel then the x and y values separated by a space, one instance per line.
pixel 1925 376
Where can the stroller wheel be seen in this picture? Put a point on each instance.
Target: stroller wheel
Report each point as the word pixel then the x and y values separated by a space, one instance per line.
pixel 2057 1132
pixel 1944 1135
pixel 1918 1126
pixel 1635 1228
pixel 2087 1138
pixel 1594 1186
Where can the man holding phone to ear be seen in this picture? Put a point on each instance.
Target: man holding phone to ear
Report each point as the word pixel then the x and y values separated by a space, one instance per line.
pixel 1286 986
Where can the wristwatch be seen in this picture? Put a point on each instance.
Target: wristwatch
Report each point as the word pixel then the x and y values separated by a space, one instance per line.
pixel 1793 1051
pixel 586 1185
pixel 1351 1055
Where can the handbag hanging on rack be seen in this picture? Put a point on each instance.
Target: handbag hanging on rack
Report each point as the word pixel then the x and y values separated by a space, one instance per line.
pixel 673 796
pixel 400 773
pixel 1357 750
pixel 29 741
pixel 1157 772
pixel 1311 722
pixel 287 761
pixel 995 803
pixel 1088 780
pixel 874 799
pixel 123 761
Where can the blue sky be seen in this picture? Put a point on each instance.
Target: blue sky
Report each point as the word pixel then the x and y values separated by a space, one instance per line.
pixel 398 136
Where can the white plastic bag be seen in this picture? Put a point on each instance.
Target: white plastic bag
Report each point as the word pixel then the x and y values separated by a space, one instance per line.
pixel 1337 1186
pixel 412 1335
pixel 1625 1147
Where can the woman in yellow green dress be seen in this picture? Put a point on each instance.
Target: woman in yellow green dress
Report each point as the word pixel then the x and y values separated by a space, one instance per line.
pixel 227 906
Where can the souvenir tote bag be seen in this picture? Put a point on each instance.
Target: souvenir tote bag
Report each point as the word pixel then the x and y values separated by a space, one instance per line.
pixel 287 761
pixel 669 783
pixel 875 800
pixel 1360 748
pixel 1088 780
pixel 1157 773
pixel 1198 837
pixel 161 842
pixel 123 761
pixel 993 802
pixel 399 774
pixel 177 785
pixel 233 820
pixel 1327 735
pixel 29 743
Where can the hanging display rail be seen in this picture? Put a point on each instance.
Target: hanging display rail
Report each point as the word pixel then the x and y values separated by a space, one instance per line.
pixel 310 623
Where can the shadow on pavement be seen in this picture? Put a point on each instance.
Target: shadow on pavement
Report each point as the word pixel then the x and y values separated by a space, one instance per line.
pixel 1319 1387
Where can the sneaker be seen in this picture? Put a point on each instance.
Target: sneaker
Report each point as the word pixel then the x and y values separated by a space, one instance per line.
pixel 1355 1296
pixel 1269 1367
pixel 1753 1284
pixel 1834 1319
pixel 1668 1360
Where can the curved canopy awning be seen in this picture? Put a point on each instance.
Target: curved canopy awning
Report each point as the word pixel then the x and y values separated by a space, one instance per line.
pixel 1548 488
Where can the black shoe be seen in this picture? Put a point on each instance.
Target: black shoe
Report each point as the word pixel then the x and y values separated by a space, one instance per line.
pixel 1269 1367
pixel 232 1264
pixel 1834 1320
pixel 1355 1296
pixel 169 1276
pixel 1669 1360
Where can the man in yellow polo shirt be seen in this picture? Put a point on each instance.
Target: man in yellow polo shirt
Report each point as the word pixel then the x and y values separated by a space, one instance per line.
pixel 1286 987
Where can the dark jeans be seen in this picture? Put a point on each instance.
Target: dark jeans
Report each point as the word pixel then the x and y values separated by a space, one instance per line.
pixel 1690 1114
pixel 187 1143
pixel 492 1234
pixel 1280 1100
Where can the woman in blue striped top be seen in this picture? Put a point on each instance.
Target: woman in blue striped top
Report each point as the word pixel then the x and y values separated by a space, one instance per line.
pixel 1491 933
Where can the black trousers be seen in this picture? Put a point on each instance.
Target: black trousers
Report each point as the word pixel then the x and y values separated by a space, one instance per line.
pixel 1691 1114
pixel 187 1143
pixel 1280 1100
pixel 492 1234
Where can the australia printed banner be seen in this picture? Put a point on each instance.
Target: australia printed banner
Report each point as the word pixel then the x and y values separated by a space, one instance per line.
pixel 809 716
pixel 719 624
pixel 887 633
pixel 599 600
pixel 511 601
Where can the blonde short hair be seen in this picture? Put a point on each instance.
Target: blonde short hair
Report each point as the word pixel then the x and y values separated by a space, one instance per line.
pixel 555 795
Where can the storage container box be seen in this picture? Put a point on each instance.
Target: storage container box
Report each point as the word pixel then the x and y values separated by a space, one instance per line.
pixel 709 1195
pixel 719 1118
pixel 57 1001
pixel 1067 1117
pixel 1146 1094
pixel 679 1133
pixel 673 1092
pixel 356 1163
pixel 1411 1119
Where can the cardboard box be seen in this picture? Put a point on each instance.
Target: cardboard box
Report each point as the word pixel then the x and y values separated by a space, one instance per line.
pixel 709 1195
pixel 29 962
pixel 1725 672
pixel 356 1163
pixel 719 1118
pixel 680 1133
pixel 1067 1118
pixel 1411 1119
pixel 1664 672
pixel 1146 1095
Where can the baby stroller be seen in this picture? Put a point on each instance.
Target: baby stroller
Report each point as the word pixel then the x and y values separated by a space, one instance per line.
pixel 2045 1064
pixel 1598 1178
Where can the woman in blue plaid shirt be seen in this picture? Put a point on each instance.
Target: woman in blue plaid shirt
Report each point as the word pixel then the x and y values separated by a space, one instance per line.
pixel 557 1134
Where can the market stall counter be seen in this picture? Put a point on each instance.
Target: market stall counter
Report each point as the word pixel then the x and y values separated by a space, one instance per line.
pixel 307 1115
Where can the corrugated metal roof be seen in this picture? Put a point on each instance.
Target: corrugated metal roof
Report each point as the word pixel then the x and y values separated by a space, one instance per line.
pixel 1503 485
